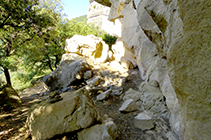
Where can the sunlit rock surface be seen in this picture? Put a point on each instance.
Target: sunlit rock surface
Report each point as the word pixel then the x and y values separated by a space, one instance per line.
pixel 170 41
pixel 88 46
pixel 75 111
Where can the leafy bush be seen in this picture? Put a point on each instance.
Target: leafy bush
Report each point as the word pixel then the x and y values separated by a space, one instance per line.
pixel 109 39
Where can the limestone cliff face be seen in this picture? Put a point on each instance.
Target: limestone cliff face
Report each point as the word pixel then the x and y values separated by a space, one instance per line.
pixel 170 41
pixel 189 65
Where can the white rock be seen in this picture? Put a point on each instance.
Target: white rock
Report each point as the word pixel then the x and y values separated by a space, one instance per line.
pixel 123 55
pixel 143 121
pixel 116 91
pixel 104 95
pixel 94 81
pixel 128 106
pixel 132 94
pixel 88 74
pixel 74 112
pixel 89 46
pixel 67 72
pixel 106 131
pixel 153 99
pixel 116 65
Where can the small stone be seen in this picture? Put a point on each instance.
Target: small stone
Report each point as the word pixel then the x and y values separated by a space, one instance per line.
pixel 105 131
pixel 154 83
pixel 52 94
pixel 94 81
pixel 132 94
pixel 128 106
pixel 143 121
pixel 104 95
pixel 116 91
pixel 88 74
pixel 105 73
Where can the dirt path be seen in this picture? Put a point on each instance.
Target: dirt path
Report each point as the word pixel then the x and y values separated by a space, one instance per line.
pixel 124 121
pixel 12 124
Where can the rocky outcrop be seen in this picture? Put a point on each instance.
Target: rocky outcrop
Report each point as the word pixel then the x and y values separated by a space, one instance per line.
pixel 189 67
pixel 88 46
pixel 169 40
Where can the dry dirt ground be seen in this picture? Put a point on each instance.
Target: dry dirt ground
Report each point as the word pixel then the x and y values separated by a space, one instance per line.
pixel 12 124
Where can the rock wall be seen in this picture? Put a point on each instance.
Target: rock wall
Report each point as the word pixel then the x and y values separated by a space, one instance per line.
pixel 170 41
pixel 190 68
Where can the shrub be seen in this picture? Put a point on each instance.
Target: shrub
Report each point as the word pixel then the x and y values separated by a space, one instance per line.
pixel 109 39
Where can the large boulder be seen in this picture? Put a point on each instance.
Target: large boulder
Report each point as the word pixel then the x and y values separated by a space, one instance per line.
pixel 69 71
pixel 9 98
pixel 89 46
pixel 75 112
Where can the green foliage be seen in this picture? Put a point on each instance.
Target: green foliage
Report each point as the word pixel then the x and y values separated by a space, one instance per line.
pixel 81 18
pixel 48 55
pixel 32 38
pixel 109 39
pixel 82 28
pixel 21 22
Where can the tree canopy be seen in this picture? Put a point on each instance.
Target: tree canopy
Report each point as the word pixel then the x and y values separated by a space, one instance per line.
pixel 21 22
pixel 33 34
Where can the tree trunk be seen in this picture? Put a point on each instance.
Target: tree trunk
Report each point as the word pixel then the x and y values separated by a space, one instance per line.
pixel 57 61
pixel 49 65
pixel 7 75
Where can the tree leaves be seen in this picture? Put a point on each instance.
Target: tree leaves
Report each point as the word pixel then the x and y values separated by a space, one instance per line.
pixel 20 23
pixel 33 33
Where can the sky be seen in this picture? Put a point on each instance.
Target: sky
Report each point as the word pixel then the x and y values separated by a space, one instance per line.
pixel 75 8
